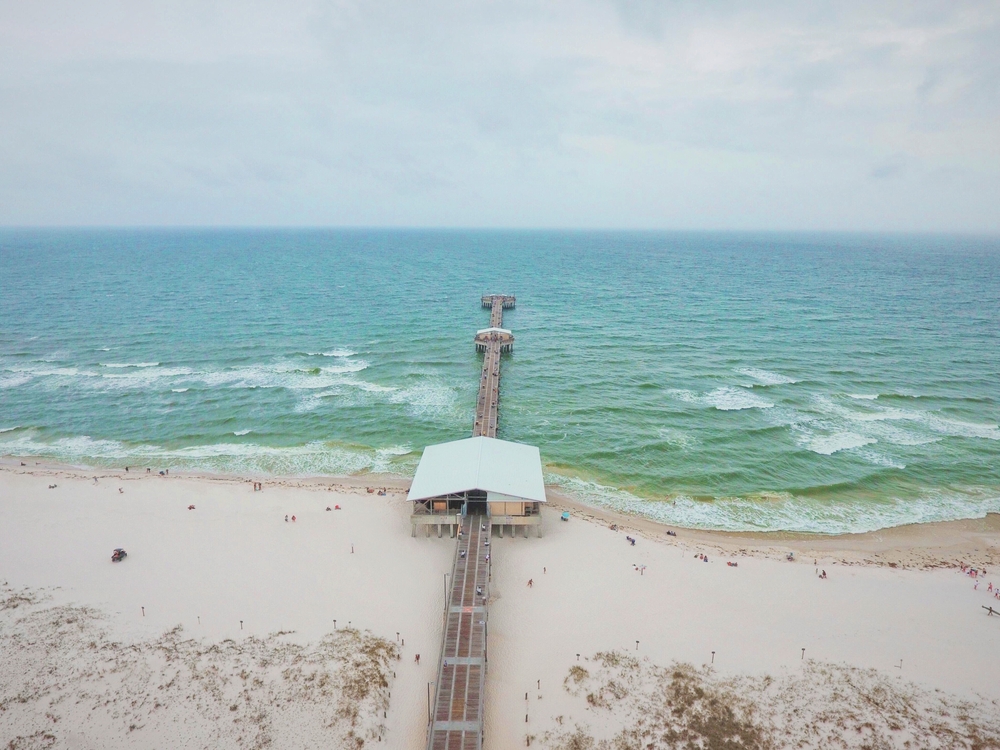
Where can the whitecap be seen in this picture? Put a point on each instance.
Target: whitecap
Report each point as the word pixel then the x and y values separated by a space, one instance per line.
pixel 13 381
pixel 766 377
pixel 375 387
pixel 782 511
pixel 129 364
pixel 827 445
pixel 880 459
pixel 958 428
pixel 384 461
pixel 282 375
pixel 735 399
pixel 179 390
pixel 354 366
pixel 724 399
pixel 430 398
pixel 334 353
pixel 240 433
pixel 675 437
pixel 8 429
pixel 863 396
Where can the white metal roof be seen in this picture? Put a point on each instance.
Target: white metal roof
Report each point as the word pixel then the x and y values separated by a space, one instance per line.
pixel 479 463
pixel 494 329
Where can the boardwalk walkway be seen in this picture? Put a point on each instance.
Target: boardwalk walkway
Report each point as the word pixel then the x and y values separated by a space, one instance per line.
pixel 457 722
pixel 488 402
pixel 457 719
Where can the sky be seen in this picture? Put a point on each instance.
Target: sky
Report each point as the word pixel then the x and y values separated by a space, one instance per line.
pixel 775 115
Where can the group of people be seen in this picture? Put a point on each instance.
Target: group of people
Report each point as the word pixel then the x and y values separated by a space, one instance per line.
pixel 372 490
pixel 975 574
pixel 258 486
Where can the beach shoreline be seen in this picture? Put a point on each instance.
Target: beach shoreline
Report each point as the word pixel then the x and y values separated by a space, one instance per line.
pixel 237 588
pixel 973 542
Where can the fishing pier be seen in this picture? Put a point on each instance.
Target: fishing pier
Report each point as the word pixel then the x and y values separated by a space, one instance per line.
pixel 472 486
pixel 492 341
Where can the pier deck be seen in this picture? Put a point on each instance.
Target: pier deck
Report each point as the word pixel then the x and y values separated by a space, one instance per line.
pixel 487 405
pixel 457 721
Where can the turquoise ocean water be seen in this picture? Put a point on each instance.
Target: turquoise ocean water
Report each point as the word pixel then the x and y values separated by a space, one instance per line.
pixel 823 383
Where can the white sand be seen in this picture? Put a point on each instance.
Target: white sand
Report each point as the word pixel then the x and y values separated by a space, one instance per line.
pixel 235 558
pixel 232 558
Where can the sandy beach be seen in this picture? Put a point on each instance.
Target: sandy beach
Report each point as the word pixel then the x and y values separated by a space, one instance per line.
pixel 228 626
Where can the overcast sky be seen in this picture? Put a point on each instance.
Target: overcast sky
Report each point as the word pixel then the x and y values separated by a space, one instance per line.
pixel 588 113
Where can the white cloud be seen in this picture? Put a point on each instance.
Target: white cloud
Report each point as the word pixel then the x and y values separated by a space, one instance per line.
pixel 587 113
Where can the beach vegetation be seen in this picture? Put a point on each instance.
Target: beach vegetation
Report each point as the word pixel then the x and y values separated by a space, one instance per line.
pixel 254 693
pixel 638 705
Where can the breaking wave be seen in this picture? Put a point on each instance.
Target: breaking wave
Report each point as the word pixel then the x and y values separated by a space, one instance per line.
pixel 786 512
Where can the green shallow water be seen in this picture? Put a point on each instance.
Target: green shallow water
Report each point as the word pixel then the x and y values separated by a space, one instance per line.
pixel 742 381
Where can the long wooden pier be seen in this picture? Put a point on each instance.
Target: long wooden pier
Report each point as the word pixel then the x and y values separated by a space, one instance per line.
pixel 456 722
pixel 493 341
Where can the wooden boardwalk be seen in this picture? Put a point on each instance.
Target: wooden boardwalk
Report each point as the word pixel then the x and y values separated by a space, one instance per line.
pixel 457 719
pixel 487 405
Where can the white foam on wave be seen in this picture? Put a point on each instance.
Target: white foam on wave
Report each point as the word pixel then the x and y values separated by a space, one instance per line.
pixel 876 458
pixel 240 433
pixel 958 428
pixel 334 353
pixel 122 365
pixel 827 445
pixel 8 429
pixel 179 390
pixel 784 512
pixel 385 461
pixel 280 375
pixel 53 372
pixel 314 458
pixel 426 399
pixel 675 438
pixel 724 399
pixel 13 381
pixel 766 377
pixel 354 366
pixel 863 396
pixel 937 424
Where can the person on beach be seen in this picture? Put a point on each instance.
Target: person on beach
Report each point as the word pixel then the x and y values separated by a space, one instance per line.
pixel 417 659
pixel 293 519
pixel 286 518
pixel 531 582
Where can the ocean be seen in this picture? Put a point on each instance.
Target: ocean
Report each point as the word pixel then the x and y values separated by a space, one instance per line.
pixel 804 382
